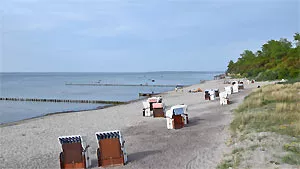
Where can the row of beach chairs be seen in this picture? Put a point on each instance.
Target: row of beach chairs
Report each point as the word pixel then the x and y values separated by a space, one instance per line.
pixel 75 151
pixel 111 145
pixel 212 94
pixel 176 117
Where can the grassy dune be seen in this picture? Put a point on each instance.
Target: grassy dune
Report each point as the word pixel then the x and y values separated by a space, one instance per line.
pixel 273 108
pixel 268 123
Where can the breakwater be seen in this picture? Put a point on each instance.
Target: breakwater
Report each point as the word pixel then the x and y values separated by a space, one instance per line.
pixel 64 100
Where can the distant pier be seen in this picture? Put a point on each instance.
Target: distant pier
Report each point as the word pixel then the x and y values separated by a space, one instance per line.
pixel 107 84
pixel 64 100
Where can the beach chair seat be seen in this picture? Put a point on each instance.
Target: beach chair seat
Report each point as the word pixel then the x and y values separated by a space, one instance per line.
pixel 158 110
pixel 74 152
pixel 111 149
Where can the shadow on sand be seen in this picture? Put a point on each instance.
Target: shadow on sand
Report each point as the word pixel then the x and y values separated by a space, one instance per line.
pixel 140 155
pixel 131 157
pixel 194 121
pixel 232 102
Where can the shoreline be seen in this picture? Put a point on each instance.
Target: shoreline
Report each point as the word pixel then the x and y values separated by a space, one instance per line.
pixel 84 110
pixel 60 112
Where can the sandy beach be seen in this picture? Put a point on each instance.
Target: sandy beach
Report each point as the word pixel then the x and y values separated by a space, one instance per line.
pixel 33 143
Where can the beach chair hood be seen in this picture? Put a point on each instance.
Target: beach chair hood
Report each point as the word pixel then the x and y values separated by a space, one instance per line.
pixel 155 100
pixel 176 110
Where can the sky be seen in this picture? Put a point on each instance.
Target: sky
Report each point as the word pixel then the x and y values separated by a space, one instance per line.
pixel 138 36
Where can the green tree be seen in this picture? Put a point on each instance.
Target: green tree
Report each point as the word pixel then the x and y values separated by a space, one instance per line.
pixel 230 67
pixel 297 39
pixel 277 59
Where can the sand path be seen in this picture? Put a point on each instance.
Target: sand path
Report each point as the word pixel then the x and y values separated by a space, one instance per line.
pixel 33 143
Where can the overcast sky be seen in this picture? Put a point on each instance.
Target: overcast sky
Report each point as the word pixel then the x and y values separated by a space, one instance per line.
pixel 134 36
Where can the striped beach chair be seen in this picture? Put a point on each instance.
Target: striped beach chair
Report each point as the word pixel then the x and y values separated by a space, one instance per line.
pixel 74 152
pixel 177 117
pixel 111 148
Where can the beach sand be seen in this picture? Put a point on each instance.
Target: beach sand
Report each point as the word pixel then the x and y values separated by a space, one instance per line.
pixel 33 143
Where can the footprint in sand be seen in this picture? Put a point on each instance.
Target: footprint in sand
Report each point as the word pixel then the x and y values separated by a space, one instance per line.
pixel 203 160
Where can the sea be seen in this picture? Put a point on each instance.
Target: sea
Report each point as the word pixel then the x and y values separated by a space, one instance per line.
pixel 53 86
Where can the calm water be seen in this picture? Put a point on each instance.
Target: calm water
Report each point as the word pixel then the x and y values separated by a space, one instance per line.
pixel 52 85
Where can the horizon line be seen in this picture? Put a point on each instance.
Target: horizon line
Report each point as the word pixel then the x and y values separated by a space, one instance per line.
pixel 163 71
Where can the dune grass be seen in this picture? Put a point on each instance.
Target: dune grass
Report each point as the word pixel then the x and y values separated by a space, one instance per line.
pixel 272 108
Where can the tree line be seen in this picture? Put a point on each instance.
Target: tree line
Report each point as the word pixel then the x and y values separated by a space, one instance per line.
pixel 277 59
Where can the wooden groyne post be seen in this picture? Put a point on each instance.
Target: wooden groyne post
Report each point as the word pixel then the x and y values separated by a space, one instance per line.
pixel 63 100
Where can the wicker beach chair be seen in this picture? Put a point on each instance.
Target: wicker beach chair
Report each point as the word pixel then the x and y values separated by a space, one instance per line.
pixel 206 95
pixel 217 92
pixel 111 149
pixel 74 152
pixel 177 117
pixel 152 100
pixel 224 98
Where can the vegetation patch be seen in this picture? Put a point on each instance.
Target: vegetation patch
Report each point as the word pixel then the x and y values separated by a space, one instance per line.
pixel 232 161
pixel 266 124
pixel 274 108
pixel 293 147
pixel 277 59
pixel 292 158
